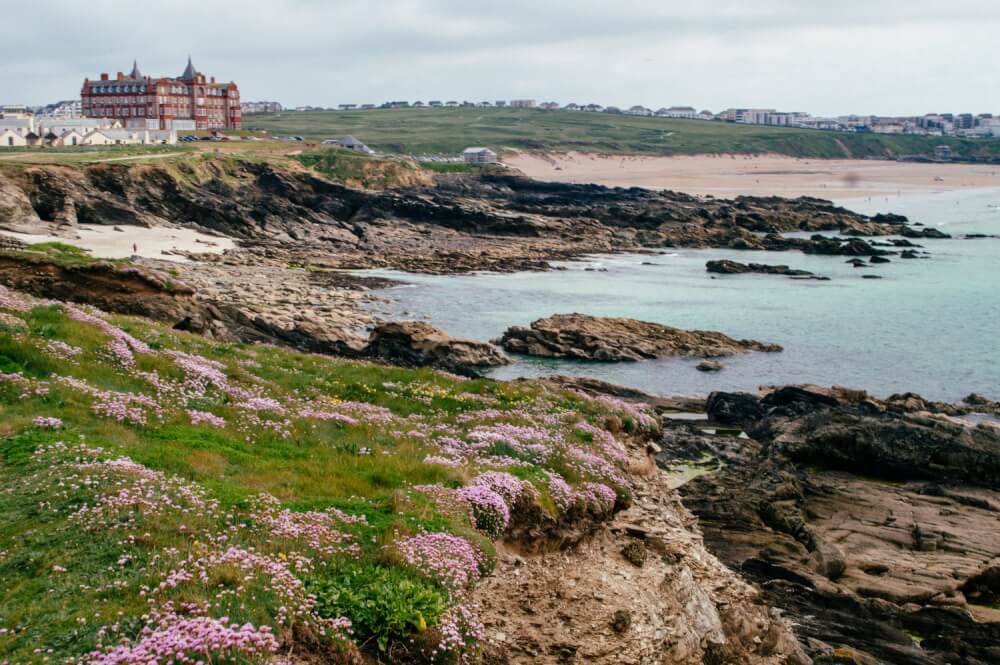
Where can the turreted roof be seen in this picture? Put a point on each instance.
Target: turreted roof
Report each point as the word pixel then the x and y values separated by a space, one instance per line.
pixel 136 74
pixel 189 72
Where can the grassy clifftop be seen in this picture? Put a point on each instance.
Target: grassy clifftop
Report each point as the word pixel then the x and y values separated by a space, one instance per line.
pixel 448 131
pixel 168 497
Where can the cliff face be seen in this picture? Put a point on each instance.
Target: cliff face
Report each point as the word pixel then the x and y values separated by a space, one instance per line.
pixel 459 223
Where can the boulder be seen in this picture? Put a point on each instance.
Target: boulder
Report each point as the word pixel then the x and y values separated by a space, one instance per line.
pixel 709 366
pixel 417 344
pixel 733 408
pixel 585 337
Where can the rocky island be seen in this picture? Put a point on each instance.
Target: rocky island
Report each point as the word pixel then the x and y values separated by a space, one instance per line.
pixel 609 339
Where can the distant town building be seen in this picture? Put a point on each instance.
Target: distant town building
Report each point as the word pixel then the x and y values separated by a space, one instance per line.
pixel 677 112
pixel 500 103
pixel 479 156
pixel 189 101
pixel 351 143
pixel 261 107
pixel 522 103
pixel 70 108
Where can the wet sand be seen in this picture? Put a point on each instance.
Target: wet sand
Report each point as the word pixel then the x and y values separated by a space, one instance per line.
pixel 764 175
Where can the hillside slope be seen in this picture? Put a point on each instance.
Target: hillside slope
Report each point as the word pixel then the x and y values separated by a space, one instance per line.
pixel 166 498
pixel 450 130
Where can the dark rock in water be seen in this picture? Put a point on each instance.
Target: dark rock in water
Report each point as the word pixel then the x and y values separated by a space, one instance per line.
pixel 908 254
pixel 903 242
pixel 837 246
pixel 890 218
pixel 978 236
pixel 871 277
pixel 878 259
pixel 417 344
pixel 925 232
pixel 733 408
pixel 727 267
pixel 709 366
pixel 856 262
pixel 871 524
pixel 609 339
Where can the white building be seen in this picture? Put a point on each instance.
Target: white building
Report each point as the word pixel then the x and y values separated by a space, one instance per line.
pixel 479 156
pixel 17 122
pixel 688 112
pixel 522 103
pixel 639 111
pixel 11 139
pixel 351 143
pixel 69 138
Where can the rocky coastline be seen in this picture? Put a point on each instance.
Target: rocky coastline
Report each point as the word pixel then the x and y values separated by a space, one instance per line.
pixel 870 523
pixel 863 530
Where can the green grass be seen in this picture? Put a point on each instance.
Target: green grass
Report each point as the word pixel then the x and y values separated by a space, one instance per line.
pixel 78 573
pixel 58 253
pixel 355 168
pixel 449 131
pixel 89 154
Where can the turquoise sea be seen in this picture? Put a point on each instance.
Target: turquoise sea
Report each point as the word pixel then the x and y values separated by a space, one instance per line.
pixel 929 326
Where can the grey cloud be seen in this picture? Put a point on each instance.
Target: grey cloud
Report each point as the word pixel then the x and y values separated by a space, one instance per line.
pixel 885 57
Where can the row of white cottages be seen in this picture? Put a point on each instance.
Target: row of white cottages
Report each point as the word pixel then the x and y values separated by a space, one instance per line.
pixel 11 138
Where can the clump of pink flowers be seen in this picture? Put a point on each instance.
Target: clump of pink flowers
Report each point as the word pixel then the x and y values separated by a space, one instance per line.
pixel 190 641
pixel 14 301
pixel 122 345
pixel 204 417
pixel 318 530
pixel 489 511
pixel 47 422
pixel 451 560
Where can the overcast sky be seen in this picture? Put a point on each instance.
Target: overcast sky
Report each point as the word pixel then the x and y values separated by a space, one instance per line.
pixel 825 57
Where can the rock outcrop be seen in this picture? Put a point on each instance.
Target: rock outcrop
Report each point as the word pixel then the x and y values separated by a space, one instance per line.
pixel 124 289
pixel 460 223
pixel 727 267
pixel 606 339
pixel 870 523
pixel 417 344
pixel 643 589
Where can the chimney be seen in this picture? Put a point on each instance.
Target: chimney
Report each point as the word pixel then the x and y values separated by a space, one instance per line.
pixel 213 79
pixel 104 76
pixel 121 76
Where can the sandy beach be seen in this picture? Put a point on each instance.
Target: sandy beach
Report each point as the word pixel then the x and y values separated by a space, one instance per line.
pixel 106 243
pixel 763 175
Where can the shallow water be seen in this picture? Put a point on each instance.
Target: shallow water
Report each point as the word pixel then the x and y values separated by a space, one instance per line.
pixel 929 326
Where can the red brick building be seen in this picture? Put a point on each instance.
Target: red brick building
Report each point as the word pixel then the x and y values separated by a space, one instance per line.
pixel 190 101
